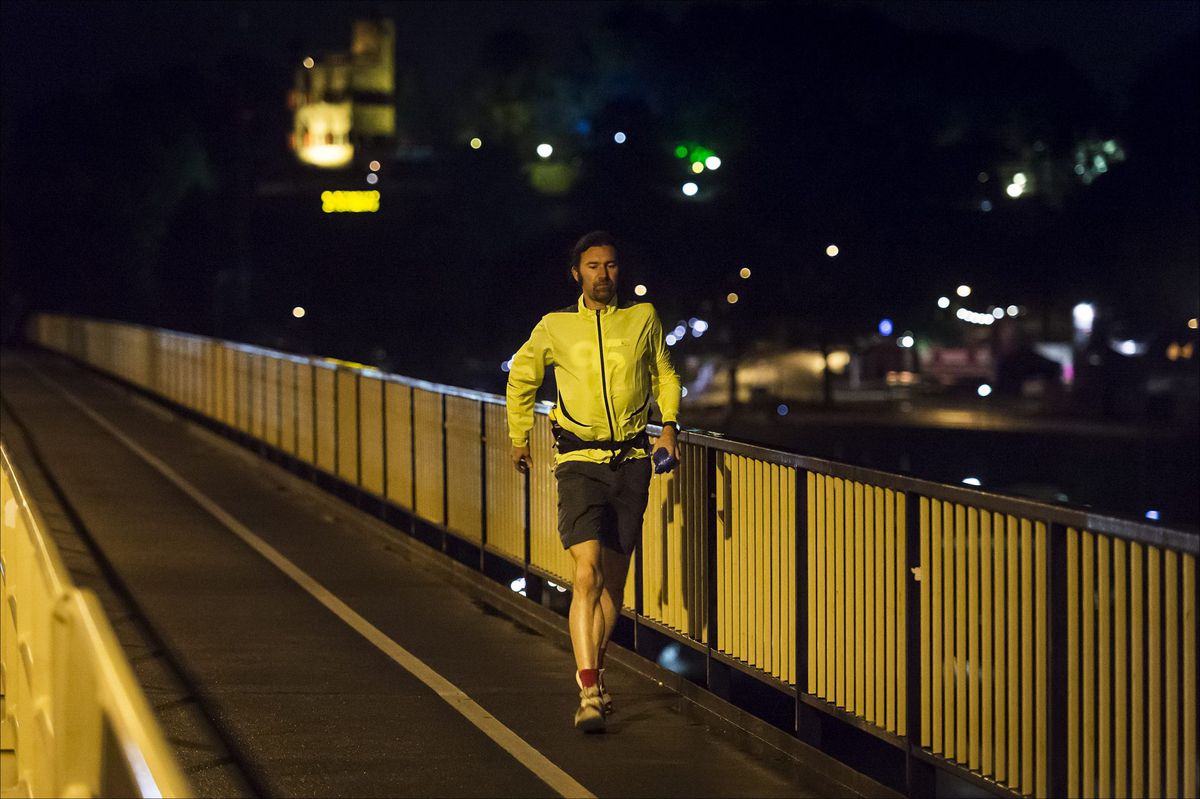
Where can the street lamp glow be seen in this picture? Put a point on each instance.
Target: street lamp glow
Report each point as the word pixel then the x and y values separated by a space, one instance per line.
pixel 998 313
pixel 1012 310
pixel 1192 323
pixel 374 166
pixel 619 137
pixel 690 189
pixel 544 150
pixel 1013 190
pixel 712 162
pixel 697 168
pixel 983 390
pixel 731 298
pixel 831 250
pixel 476 143
pixel 639 290
pixel 744 272
pixel 885 327
pixel 1019 179
pixel 1083 315
pixel 964 291
pixel 372 178
pixel 943 302
pixel 671 339
pixel 906 341
pixel 298 312
pixel 309 63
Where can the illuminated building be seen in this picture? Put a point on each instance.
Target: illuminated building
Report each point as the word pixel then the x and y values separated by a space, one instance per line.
pixel 343 104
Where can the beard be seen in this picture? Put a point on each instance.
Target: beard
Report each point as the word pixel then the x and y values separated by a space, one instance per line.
pixel 604 291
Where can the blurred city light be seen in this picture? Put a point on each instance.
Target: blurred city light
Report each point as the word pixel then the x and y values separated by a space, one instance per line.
pixel 1173 351
pixel 698 327
pixel 671 339
pixel 639 290
pixel 964 291
pixel 298 312
pixel 1128 347
pixel 697 167
pixel 998 313
pixel 619 137
pixel 372 178
pixel 906 341
pixel 1019 179
pixel 982 177
pixel 1192 323
pixel 683 391
pixel 782 410
pixel 885 327
pixel 1083 315
pixel 545 150
pixel 943 302
pixel 374 166
pixel 476 143
pixel 690 189
pixel 1013 190
pixel 712 162
pixel 1012 310
pixel 744 272
pixel 681 152
pixel 518 586
pixel 309 63
pixel 1152 515
pixel 831 250
pixel 983 390
pixel 972 481
pixel 985 206
pixel 680 331
pixel 505 366
pixel 731 298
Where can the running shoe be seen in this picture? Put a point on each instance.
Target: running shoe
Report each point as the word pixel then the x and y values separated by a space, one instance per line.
pixel 590 715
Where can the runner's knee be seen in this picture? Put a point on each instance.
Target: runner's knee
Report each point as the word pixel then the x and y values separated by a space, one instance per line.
pixel 589 579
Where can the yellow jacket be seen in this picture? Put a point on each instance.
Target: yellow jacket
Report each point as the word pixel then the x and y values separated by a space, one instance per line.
pixel 607 364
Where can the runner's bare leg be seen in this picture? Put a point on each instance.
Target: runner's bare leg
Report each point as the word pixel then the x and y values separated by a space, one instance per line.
pixel 586 617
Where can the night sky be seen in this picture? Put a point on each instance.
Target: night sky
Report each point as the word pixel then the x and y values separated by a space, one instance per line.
pixel 47 44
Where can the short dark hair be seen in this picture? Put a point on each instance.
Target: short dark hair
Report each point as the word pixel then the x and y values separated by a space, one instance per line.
pixel 597 238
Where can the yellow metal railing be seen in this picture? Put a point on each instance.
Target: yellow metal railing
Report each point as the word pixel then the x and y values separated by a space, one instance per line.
pixel 1036 648
pixel 73 719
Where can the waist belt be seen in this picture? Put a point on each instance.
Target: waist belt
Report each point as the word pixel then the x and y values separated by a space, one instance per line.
pixel 566 441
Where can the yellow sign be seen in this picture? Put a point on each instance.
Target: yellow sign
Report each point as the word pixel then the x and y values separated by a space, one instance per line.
pixel 358 202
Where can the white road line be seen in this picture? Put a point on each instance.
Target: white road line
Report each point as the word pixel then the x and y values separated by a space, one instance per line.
pixel 564 784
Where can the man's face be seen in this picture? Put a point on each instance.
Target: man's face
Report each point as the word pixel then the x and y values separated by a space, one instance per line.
pixel 598 274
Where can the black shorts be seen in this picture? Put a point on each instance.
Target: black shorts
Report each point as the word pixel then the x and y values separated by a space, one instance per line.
pixel 599 503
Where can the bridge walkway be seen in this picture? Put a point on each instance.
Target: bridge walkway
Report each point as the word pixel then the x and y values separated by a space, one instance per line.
pixel 333 655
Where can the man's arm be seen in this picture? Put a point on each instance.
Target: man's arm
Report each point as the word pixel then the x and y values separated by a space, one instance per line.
pixel 525 376
pixel 664 384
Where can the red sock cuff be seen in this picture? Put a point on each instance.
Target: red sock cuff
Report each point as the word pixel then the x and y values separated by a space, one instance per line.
pixel 589 677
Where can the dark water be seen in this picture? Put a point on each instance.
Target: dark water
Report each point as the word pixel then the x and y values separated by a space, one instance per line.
pixel 1118 473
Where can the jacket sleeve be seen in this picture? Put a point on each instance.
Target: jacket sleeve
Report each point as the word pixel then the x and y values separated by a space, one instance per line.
pixel 664 382
pixel 524 378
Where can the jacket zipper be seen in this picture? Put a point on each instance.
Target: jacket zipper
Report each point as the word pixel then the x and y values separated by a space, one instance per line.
pixel 603 380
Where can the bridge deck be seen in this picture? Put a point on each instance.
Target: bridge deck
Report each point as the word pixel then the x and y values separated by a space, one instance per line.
pixel 306 703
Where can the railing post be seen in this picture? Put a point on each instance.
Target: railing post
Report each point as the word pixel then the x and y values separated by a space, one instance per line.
pixel 919 775
pixel 412 460
pixel 483 485
pixel 710 554
pixel 807 720
pixel 383 450
pixel 1056 691
pixel 445 477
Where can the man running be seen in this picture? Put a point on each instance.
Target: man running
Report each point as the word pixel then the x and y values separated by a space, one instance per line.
pixel 609 358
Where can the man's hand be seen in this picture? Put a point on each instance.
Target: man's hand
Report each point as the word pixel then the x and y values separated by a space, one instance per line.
pixel 521 459
pixel 667 441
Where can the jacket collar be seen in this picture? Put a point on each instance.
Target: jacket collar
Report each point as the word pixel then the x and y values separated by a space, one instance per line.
pixel 605 311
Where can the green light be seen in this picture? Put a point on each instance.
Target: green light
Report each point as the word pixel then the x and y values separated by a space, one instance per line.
pixel 681 151
pixel 699 154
